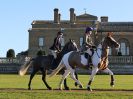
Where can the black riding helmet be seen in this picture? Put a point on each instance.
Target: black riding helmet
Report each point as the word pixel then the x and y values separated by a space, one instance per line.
pixel 60 33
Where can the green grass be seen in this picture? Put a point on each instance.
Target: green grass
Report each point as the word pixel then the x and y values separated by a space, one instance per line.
pixel 15 87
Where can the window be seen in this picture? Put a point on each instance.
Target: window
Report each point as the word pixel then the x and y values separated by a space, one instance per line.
pixel 81 41
pixel 62 42
pixel 124 46
pixel 110 51
pixel 127 50
pixel 41 41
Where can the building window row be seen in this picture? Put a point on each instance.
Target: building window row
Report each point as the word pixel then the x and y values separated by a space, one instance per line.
pixel 41 42
pixel 124 45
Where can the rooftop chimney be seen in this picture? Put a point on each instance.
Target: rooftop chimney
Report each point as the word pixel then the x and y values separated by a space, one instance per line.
pixel 56 16
pixel 104 18
pixel 59 18
pixel 72 16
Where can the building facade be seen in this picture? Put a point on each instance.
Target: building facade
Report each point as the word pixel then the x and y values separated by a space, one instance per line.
pixel 43 32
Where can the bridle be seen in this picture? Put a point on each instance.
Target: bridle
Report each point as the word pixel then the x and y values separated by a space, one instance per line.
pixel 102 48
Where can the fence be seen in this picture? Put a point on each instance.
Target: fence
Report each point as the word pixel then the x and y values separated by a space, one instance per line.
pixel 4 60
pixel 121 59
pixel 120 65
pixel 112 60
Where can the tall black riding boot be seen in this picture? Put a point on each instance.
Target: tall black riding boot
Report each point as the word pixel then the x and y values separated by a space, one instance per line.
pixel 88 63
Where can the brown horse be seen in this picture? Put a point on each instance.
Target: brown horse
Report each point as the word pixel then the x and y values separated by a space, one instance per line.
pixel 99 60
pixel 44 63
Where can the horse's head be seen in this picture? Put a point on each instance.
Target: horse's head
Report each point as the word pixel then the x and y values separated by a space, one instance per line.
pixel 109 41
pixel 70 46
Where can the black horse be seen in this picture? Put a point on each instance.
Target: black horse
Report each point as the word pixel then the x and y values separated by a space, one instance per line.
pixel 44 63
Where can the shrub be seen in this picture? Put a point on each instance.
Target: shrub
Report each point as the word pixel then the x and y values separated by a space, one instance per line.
pixel 40 53
pixel 10 53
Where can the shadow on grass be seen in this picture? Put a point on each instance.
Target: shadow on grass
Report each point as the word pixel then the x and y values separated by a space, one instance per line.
pixel 74 90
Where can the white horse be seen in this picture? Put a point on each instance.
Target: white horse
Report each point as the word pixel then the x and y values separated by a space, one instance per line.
pixel 99 60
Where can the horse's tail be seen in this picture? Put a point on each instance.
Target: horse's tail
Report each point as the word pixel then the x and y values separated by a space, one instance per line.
pixel 24 67
pixel 60 66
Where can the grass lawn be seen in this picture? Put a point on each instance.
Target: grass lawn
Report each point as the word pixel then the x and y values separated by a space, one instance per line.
pixel 15 87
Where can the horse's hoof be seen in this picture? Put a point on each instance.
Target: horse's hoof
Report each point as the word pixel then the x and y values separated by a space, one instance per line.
pixel 76 84
pixel 89 89
pixel 67 88
pixel 112 84
pixel 80 86
pixel 60 89
pixel 49 88
pixel 29 89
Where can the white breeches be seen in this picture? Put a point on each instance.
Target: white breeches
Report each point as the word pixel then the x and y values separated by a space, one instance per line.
pixel 53 52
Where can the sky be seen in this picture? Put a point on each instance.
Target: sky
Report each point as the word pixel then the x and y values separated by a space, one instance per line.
pixel 16 16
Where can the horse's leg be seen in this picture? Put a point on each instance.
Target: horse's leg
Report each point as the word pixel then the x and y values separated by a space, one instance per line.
pixel 65 81
pixel 76 76
pixel 94 71
pixel 107 70
pixel 31 77
pixel 63 78
pixel 112 81
pixel 73 77
pixel 65 84
pixel 44 73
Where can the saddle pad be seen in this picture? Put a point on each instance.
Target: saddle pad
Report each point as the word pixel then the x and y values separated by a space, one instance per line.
pixel 84 61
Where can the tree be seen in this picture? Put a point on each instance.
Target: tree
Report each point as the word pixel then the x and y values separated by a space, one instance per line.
pixel 10 55
pixel 40 53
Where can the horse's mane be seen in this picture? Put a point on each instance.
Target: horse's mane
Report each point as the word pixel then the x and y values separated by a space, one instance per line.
pixel 65 48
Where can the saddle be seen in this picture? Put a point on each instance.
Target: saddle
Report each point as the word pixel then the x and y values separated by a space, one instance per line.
pixel 88 57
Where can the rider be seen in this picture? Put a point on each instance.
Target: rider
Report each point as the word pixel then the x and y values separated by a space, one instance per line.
pixel 88 42
pixel 56 47
pixel 87 36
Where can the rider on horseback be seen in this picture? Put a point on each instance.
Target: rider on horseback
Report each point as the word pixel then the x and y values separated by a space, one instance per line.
pixel 88 43
pixel 56 47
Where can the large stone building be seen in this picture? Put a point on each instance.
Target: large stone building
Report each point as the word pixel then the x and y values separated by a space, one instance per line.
pixel 42 33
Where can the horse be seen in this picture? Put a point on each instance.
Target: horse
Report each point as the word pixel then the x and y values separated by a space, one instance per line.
pixel 74 59
pixel 44 63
